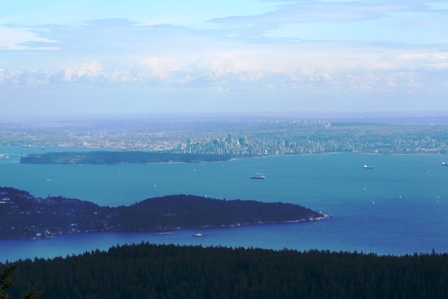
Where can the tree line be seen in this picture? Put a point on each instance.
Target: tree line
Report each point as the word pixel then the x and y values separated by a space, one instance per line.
pixel 172 271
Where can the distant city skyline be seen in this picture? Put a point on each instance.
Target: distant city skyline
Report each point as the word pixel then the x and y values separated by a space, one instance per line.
pixel 113 57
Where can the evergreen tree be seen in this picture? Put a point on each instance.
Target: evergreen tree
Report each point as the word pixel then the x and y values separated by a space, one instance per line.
pixel 7 279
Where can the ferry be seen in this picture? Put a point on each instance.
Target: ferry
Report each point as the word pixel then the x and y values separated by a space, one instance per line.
pixel 368 167
pixel 258 177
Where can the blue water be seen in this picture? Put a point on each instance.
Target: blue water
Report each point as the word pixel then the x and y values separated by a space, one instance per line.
pixel 398 208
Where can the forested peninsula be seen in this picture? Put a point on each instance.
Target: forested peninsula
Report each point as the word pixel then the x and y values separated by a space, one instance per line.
pixel 119 157
pixel 23 216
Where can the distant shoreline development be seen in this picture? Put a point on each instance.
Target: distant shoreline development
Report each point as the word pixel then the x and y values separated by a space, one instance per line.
pixel 236 139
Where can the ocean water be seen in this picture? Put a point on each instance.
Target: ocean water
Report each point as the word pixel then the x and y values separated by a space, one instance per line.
pixel 399 207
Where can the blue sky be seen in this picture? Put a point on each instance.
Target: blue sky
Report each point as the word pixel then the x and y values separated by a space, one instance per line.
pixel 109 57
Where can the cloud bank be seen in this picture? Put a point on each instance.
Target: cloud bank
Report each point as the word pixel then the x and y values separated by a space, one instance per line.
pixel 300 55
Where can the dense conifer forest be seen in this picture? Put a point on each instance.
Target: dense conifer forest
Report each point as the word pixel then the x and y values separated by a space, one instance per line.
pixel 169 271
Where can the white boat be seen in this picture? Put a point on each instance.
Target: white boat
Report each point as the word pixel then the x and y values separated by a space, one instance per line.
pixel 368 167
pixel 197 235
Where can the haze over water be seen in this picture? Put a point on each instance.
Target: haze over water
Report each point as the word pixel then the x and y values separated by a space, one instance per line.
pixel 399 207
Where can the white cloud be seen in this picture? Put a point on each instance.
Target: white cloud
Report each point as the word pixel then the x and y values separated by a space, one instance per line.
pixel 320 11
pixel 425 56
pixel 264 54
pixel 23 39
pixel 437 66
pixel 89 71
pixel 230 73
pixel 162 67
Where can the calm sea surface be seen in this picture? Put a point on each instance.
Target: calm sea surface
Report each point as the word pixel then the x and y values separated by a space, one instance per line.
pixel 399 207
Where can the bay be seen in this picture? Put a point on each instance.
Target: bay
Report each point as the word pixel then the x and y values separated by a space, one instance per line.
pixel 397 208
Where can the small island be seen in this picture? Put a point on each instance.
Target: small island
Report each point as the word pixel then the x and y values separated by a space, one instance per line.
pixel 119 157
pixel 23 216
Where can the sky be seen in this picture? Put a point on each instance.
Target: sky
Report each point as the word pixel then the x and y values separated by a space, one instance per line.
pixel 207 56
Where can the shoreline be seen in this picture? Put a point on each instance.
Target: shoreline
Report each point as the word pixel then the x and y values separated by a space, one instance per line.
pixel 169 231
pixel 14 154
pixel 246 158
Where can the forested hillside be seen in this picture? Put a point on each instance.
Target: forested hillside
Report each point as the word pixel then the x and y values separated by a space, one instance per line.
pixel 23 216
pixel 169 271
